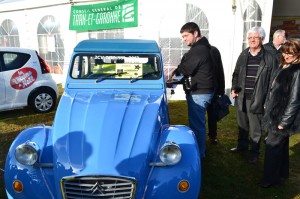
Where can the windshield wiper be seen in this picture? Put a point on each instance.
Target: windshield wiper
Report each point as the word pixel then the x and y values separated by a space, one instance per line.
pixel 144 75
pixel 100 79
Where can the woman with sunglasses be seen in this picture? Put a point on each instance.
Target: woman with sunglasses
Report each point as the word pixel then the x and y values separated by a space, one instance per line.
pixel 282 117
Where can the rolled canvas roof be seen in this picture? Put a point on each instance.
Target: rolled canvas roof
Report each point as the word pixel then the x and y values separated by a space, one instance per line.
pixel 18 5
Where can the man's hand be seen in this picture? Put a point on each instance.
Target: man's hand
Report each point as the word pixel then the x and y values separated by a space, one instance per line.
pixel 233 94
pixel 174 73
pixel 280 127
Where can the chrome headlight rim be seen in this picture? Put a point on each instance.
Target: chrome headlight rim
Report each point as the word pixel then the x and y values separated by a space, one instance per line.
pixel 27 153
pixel 170 153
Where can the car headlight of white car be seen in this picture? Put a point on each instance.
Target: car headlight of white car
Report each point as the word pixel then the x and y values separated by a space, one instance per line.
pixel 27 153
pixel 170 153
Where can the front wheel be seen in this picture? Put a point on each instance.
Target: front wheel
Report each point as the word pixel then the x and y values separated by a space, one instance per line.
pixel 43 101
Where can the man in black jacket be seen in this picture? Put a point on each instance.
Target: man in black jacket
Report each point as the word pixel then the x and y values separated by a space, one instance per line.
pixel 250 86
pixel 219 91
pixel 197 67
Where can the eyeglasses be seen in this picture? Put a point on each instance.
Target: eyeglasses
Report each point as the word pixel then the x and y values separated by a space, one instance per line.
pixel 283 36
pixel 256 38
pixel 288 54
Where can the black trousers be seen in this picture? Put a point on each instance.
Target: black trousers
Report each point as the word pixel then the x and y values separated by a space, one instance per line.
pixel 250 129
pixel 212 120
pixel 276 163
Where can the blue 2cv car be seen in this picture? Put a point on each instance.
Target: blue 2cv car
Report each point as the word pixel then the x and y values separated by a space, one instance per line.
pixel 111 136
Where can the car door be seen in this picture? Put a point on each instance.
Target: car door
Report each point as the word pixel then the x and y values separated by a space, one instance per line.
pixel 2 84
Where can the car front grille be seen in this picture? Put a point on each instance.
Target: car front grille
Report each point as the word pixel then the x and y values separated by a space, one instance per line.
pixel 92 187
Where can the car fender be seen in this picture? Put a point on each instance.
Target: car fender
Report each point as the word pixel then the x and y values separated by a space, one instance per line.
pixel 189 168
pixel 35 179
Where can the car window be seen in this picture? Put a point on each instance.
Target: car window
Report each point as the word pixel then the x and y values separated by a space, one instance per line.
pixel 14 61
pixel 116 67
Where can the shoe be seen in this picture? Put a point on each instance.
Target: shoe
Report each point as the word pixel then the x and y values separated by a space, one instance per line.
pixel 213 141
pixel 237 150
pixel 253 159
pixel 265 185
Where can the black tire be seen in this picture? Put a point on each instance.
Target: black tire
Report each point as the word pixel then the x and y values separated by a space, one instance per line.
pixel 43 100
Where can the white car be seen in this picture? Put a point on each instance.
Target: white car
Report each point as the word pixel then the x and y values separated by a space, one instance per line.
pixel 25 80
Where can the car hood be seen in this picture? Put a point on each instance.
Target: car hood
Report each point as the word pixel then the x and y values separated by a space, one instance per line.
pixel 107 133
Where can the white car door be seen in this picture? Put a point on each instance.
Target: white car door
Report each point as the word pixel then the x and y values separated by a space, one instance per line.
pixel 16 79
pixel 2 88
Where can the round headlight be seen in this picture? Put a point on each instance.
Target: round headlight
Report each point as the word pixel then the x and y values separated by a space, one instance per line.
pixel 170 153
pixel 26 153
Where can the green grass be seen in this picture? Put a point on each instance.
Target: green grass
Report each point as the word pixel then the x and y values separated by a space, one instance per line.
pixel 224 175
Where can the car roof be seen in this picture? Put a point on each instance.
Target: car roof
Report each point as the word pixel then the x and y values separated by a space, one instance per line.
pixel 17 49
pixel 117 46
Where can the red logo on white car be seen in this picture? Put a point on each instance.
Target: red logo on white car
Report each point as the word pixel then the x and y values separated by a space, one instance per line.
pixel 23 78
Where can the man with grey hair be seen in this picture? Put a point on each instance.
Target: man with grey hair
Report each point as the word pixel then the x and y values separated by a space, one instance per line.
pixel 250 83
pixel 274 46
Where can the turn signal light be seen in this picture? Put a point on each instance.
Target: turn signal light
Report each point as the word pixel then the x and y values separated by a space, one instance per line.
pixel 18 186
pixel 183 185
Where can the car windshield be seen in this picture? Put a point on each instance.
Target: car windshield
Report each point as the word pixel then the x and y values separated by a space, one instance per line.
pixel 101 67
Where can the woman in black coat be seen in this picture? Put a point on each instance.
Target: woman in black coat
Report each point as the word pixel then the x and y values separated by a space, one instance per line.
pixel 282 116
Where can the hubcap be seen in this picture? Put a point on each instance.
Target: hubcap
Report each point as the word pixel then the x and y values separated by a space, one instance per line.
pixel 43 102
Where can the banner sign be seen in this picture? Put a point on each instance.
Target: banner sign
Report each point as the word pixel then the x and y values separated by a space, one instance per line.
pixel 116 14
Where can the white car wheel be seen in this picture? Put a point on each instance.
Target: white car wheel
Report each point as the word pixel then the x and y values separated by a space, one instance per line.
pixel 43 101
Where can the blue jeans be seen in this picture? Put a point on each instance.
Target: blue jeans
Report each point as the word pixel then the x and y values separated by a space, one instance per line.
pixel 197 105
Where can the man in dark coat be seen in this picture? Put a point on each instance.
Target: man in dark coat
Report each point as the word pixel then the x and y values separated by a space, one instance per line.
pixel 274 46
pixel 250 86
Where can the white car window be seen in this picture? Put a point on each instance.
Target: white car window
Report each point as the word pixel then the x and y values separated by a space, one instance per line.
pixel 14 61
